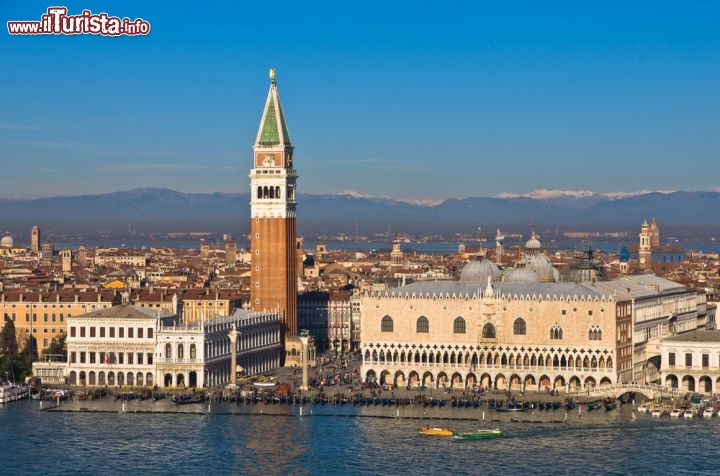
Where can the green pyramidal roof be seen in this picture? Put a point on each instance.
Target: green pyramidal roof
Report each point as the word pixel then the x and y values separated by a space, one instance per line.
pixel 273 130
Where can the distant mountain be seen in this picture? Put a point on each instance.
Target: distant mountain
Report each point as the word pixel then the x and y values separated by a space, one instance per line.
pixel 163 210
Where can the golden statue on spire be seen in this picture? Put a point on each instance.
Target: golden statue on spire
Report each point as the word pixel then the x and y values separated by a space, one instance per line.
pixel 272 74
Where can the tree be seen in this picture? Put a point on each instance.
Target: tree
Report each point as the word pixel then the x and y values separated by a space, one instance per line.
pixel 57 347
pixel 8 340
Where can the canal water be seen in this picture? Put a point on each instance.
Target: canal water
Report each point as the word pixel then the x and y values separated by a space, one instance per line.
pixel 228 438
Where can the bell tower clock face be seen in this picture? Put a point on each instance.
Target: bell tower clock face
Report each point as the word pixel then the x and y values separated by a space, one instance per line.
pixel 642 260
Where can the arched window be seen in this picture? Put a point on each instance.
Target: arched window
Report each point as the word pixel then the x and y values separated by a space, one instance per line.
pixel 595 333
pixel 459 325
pixel 422 326
pixel 181 351
pixel 386 325
pixel 488 331
pixel 259 192
pixel 193 351
pixel 168 351
pixel 519 327
pixel 277 192
pixel 556 332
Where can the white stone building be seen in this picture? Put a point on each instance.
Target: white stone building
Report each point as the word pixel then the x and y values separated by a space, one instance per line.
pixel 126 346
pixel 691 361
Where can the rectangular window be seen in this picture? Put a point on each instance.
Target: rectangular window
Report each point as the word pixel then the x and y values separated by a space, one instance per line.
pixel 140 332
pixel 688 360
pixel 130 357
pixel 82 332
pixel 73 357
pixel 34 317
pixel 82 357
pixel 112 332
pixel 131 331
pixel 92 357
pixel 54 317
pixel 103 358
pixel 140 358
pixel 706 360
pixel 27 317
pixel 671 359
pixel 149 358
pixel 121 332
pixel 150 333
pixel 92 331
pixel 102 332
pixel 45 317
pixel 121 357
pixel 45 342
pixel 72 331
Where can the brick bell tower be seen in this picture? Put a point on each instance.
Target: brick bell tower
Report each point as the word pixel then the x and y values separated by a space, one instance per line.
pixel 273 275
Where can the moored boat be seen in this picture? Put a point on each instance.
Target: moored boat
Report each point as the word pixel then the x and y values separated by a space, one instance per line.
pixel 436 431
pixel 9 392
pixel 676 412
pixel 479 434
pixel 709 412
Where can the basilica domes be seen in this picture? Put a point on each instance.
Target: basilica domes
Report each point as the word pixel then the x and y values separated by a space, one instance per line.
pixel 521 274
pixel 534 266
pixel 479 270
pixel 7 241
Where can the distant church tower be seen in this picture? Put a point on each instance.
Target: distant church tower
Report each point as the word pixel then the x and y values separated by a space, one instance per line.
pixel 397 257
pixel 644 252
pixel 273 275
pixel 654 234
pixel 66 261
pixel 35 240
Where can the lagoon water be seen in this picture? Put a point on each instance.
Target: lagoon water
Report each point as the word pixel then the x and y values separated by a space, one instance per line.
pixel 345 440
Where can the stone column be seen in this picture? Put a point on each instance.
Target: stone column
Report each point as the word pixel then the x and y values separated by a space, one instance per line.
pixel 233 334
pixel 305 350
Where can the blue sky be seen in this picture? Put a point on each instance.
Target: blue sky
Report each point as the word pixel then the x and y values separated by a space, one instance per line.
pixel 421 100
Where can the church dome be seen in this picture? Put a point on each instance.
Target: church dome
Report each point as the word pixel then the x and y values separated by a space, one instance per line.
pixel 7 241
pixel 533 243
pixel 542 267
pixel 521 274
pixel 478 271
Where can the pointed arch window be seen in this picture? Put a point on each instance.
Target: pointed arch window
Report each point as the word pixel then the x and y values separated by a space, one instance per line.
pixel 386 325
pixel 595 333
pixel 519 327
pixel 488 331
pixel 168 351
pixel 459 326
pixel 556 332
pixel 423 325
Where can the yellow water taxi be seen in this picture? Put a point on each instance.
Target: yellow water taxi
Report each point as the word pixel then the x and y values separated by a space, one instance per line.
pixel 436 431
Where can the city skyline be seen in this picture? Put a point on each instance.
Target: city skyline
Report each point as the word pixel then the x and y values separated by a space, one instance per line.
pixel 517 98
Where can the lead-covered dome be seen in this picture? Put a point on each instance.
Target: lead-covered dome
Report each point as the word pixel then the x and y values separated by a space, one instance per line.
pixel 521 274
pixel 478 270
pixel 7 241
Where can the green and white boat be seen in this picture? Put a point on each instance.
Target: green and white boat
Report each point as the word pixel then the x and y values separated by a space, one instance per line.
pixel 479 434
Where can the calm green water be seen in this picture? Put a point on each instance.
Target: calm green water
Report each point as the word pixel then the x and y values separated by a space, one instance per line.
pixel 274 439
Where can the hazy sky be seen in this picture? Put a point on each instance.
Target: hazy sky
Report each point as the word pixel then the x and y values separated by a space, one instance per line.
pixel 414 100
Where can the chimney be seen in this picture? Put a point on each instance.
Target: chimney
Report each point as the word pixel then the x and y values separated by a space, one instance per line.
pixel 76 298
